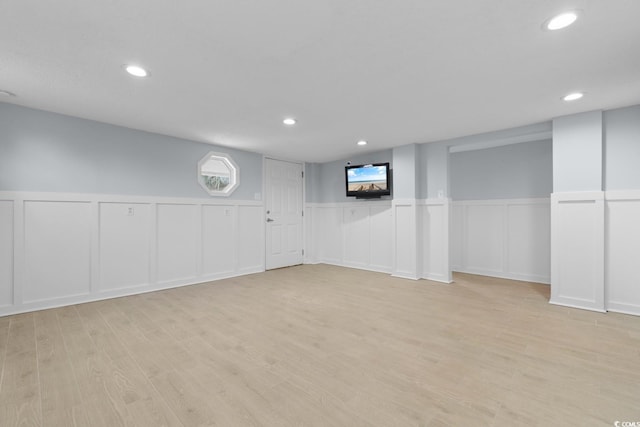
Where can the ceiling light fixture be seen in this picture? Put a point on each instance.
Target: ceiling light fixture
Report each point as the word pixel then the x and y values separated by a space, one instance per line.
pixel 136 71
pixel 6 93
pixel 573 96
pixel 362 142
pixel 560 21
pixel 289 121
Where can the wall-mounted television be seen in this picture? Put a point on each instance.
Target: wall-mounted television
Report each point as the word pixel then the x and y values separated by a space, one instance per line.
pixel 368 181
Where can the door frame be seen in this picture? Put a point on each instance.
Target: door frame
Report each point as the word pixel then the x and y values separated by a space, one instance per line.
pixel 264 204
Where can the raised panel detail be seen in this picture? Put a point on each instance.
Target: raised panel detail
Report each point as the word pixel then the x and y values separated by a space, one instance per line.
pixel 507 238
pixel 250 248
pixel 218 240
pixel 57 250
pixel 6 253
pixel 276 239
pixel 177 249
pixel 329 234
pixel 484 238
pixel 381 227
pixel 577 263
pixel 124 245
pixel 435 243
pixel 405 241
pixel 623 247
pixel 529 240
pixel 357 238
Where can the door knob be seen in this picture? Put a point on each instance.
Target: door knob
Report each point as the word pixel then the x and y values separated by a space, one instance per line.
pixel 269 220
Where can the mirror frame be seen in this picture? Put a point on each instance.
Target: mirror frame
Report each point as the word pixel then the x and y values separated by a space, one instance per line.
pixel 234 173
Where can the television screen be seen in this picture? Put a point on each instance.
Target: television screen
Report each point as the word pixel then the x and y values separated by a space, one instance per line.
pixel 368 180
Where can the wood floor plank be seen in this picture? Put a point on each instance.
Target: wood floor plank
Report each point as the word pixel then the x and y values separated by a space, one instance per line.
pixel 19 392
pixel 58 389
pixel 321 345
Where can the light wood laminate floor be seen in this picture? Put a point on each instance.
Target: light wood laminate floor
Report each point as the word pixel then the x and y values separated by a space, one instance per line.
pixel 320 345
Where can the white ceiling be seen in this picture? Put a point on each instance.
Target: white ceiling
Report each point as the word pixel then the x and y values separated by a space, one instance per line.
pixel 391 72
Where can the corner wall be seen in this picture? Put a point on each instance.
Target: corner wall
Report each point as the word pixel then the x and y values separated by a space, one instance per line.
pixel 595 208
pixel 91 211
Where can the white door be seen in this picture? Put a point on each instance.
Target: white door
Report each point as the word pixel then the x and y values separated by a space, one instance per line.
pixel 283 213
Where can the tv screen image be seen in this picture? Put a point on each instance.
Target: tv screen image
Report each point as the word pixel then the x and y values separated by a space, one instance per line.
pixel 368 180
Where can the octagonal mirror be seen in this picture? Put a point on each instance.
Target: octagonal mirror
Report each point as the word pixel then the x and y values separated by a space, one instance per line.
pixel 218 174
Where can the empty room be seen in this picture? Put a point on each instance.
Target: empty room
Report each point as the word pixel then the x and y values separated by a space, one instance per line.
pixel 329 213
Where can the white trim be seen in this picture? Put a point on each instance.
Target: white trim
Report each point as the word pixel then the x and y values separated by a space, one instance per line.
pixel 116 293
pixel 22 196
pixel 511 202
pixel 621 195
pixel 577 196
pixel 532 137
pixel 365 202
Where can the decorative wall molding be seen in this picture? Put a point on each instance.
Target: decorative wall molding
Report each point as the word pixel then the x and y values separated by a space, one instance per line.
pixel 622 246
pixel 577 249
pixel 434 217
pixel 357 234
pixel 380 236
pixel 406 239
pixel 508 238
pixel 58 249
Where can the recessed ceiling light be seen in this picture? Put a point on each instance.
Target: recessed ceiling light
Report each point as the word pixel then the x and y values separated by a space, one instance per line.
pixel 136 71
pixel 560 21
pixel 289 121
pixel 573 96
pixel 362 142
pixel 6 93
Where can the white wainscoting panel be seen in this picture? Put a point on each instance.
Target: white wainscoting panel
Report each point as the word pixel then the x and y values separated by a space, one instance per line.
pixel 622 252
pixel 529 241
pixel 355 235
pixel 250 238
pixel 484 239
pixel 177 235
pixel 6 253
pixel 329 234
pixel 218 240
pixel 59 249
pixel 577 250
pixel 406 232
pixel 124 245
pixel 434 216
pixel 507 238
pixel 310 240
pixel 456 242
pixel 381 231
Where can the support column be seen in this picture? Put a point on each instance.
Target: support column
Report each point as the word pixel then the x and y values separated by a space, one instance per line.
pixel 406 230
pixel 577 212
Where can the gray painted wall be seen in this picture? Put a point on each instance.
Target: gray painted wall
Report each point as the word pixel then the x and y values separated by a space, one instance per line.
pixel 506 172
pixel 42 151
pixel 622 148
pixel 434 164
pixel 406 175
pixel 577 152
pixel 325 184
pixel 434 170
